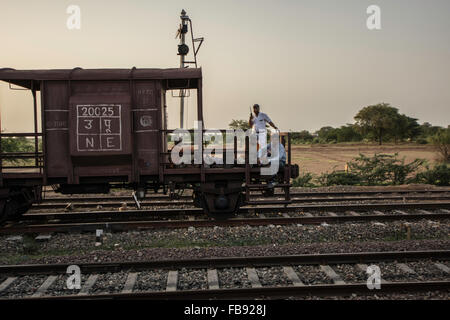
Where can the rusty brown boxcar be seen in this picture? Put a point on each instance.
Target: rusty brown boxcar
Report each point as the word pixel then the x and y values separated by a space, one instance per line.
pixel 107 127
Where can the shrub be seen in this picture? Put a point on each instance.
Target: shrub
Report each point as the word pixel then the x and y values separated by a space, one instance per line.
pixel 339 178
pixel 380 169
pixel 19 144
pixel 439 175
pixel 442 142
pixel 316 140
pixel 304 180
pixel 422 141
pixel 383 169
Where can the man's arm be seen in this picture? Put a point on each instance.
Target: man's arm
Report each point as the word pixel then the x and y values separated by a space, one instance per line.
pixel 268 120
pixel 273 125
pixel 250 120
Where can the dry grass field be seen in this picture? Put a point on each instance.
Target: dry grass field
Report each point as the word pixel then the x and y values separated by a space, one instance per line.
pixel 322 158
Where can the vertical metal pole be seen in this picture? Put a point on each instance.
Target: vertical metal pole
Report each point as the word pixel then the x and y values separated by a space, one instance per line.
pixel 135 176
pixel 43 136
pixel 247 169
pixel 224 147
pixel 1 152
pixel 71 178
pixel 288 194
pixel 200 102
pixel 182 57
pixel 235 150
pixel 36 143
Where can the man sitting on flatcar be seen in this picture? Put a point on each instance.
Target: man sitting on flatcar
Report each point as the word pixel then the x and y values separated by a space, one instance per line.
pixel 280 157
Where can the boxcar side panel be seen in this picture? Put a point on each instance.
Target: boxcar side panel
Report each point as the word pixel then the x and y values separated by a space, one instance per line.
pixel 146 125
pixel 56 128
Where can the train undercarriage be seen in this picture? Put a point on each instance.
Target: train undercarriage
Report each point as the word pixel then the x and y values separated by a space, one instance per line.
pixel 219 198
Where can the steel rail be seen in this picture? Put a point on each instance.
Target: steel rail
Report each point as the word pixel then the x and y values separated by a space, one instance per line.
pixel 294 194
pixel 168 212
pixel 46 205
pixel 260 293
pixel 166 224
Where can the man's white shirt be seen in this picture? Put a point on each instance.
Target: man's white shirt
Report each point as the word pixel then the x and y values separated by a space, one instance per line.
pixel 259 122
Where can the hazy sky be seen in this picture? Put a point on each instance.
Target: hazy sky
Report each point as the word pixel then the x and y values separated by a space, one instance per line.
pixel 308 63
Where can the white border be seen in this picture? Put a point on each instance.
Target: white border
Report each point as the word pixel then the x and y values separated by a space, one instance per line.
pixel 100 134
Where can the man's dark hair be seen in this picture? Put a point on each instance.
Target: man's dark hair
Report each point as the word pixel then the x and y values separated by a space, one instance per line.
pixel 256 105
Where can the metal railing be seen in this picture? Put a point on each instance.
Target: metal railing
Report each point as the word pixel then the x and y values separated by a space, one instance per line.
pixel 14 157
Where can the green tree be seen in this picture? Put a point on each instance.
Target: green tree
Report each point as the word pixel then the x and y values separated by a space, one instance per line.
pixel 427 131
pixel 303 136
pixel 442 142
pixel 239 124
pixel 377 121
pixel 327 134
pixel 412 129
pixel 405 128
pixel 348 133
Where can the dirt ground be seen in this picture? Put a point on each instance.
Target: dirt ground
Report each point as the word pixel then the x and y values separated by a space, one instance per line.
pixel 322 158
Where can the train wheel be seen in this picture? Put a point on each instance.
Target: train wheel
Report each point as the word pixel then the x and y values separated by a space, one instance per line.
pixel 10 209
pixel 2 210
pixel 197 199
pixel 17 203
pixel 220 210
pixel 23 209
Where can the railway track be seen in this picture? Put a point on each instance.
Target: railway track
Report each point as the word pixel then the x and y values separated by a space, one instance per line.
pixel 253 216
pixel 296 197
pixel 234 277
pixel 110 203
pixel 161 196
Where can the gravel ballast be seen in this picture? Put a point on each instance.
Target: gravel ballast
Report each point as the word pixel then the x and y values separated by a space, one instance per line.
pixel 350 273
pixel 109 282
pixel 346 234
pixel 151 280
pixel 119 254
pixel 427 270
pixel 192 279
pixel 233 278
pixel 59 287
pixel 272 277
pixel 23 286
pixel 312 275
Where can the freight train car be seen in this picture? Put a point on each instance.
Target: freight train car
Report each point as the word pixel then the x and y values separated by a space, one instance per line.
pixel 104 128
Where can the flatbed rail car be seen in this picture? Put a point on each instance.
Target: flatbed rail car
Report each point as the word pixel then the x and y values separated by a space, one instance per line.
pixel 104 128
